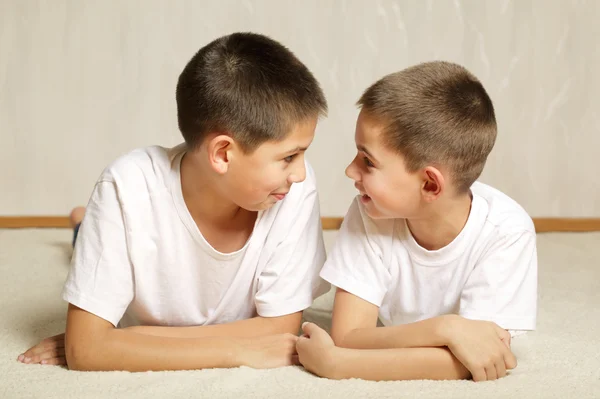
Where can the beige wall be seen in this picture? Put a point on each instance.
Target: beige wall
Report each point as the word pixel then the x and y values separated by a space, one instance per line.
pixel 84 81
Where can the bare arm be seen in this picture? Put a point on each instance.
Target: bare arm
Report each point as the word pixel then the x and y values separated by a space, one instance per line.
pixel 320 356
pixel 355 326
pixel 52 350
pixel 254 327
pixel 398 364
pixel 92 343
pixel 481 346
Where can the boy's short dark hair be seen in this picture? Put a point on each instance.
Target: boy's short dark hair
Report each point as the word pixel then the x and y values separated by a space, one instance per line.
pixel 436 113
pixel 248 86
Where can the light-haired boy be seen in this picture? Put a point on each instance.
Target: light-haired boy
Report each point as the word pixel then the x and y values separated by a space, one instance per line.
pixel 448 264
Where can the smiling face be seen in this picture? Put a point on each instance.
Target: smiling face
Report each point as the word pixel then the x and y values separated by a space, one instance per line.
pixel 387 188
pixel 256 181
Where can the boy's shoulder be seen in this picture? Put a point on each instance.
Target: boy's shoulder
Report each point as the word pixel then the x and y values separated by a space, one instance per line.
pixel 504 214
pixel 358 226
pixel 141 165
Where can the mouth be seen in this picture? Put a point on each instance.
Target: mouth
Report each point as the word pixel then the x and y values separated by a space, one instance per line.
pixel 279 196
pixel 364 198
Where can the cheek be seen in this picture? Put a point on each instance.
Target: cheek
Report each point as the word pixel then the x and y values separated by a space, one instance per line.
pixel 389 196
pixel 374 185
pixel 266 180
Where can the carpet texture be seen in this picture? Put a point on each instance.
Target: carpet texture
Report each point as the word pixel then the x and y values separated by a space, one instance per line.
pixel 559 360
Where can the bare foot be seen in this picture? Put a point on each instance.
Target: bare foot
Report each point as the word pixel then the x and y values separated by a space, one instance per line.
pixel 76 216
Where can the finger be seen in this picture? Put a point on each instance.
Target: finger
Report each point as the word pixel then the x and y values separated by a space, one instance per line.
pixel 500 369
pixel 58 352
pixel 308 328
pixel 44 346
pixel 478 374
pixel 510 361
pixel 296 360
pixel 301 343
pixel 291 348
pixel 57 361
pixel 311 329
pixel 499 363
pixel 490 372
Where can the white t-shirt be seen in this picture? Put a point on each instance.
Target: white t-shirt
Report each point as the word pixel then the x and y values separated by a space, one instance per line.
pixel 140 258
pixel 488 272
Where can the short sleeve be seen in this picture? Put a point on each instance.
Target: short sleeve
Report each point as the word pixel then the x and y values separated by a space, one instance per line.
pixel 503 285
pixel 356 263
pixel 290 280
pixel 100 280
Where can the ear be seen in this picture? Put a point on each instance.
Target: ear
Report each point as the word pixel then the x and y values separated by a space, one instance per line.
pixel 219 150
pixel 434 183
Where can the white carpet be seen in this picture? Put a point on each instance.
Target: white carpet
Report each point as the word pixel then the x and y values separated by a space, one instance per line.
pixel 561 359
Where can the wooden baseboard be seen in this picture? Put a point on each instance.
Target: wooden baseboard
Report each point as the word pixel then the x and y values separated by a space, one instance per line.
pixel 542 225
pixel 547 225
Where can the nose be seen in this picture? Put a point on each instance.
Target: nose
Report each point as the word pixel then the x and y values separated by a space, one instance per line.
pixel 298 174
pixel 352 171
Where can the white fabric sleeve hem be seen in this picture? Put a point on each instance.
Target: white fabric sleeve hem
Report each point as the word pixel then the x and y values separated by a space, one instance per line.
pixel 92 306
pixel 282 309
pixel 517 333
pixel 508 323
pixel 352 286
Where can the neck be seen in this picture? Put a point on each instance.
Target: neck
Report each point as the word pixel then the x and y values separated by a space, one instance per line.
pixel 201 196
pixel 442 222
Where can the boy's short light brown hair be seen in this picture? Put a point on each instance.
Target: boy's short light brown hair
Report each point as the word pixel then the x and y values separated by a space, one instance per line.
pixel 435 113
pixel 248 86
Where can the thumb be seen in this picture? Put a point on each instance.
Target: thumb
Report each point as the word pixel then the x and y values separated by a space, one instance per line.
pixel 311 329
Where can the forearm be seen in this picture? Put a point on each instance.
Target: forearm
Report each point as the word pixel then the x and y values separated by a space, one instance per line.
pixel 426 333
pixel 396 364
pixel 254 327
pixel 120 349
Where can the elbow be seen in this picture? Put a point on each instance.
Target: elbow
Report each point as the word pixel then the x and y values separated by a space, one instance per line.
pixel 80 355
pixel 77 357
pixel 340 340
pixel 351 338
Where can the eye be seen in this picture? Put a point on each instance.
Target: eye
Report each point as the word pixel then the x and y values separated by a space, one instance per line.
pixel 368 162
pixel 289 158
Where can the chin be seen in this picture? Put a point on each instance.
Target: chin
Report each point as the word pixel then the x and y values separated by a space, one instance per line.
pixel 375 213
pixel 261 206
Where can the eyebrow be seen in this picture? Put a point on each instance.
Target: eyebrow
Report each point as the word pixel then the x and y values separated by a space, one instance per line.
pixel 364 149
pixel 297 149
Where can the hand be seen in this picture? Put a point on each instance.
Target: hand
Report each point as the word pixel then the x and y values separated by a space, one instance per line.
pixel 316 351
pixel 481 346
pixel 50 351
pixel 270 351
